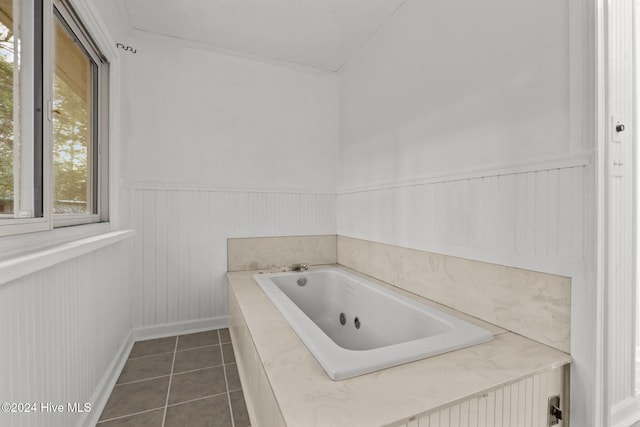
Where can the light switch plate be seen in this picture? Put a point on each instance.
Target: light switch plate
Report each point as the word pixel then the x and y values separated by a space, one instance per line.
pixel 616 136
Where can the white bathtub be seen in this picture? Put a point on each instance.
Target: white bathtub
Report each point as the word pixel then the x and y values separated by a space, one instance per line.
pixel 393 329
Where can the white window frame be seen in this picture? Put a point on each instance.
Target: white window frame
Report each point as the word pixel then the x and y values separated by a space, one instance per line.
pixel 101 189
pixel 10 226
pixel 48 221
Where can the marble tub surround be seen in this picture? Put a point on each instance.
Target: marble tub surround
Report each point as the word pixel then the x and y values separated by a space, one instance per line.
pixel 533 304
pixel 493 329
pixel 305 395
pixel 264 252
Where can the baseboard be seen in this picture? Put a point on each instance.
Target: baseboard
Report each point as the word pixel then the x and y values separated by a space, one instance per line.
pixel 178 328
pixel 103 391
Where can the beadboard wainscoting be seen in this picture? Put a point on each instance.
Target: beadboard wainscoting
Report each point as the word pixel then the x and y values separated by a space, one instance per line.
pixel 180 254
pixel 520 404
pixel 531 218
pixel 64 328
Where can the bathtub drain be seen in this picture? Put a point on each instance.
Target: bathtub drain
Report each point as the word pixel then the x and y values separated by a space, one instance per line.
pixel 343 319
pixel 356 322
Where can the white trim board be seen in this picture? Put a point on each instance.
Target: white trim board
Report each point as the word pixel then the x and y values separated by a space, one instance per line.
pixel 173 186
pixel 561 162
pixel 20 244
pixel 24 265
pixel 100 33
pixel 617 179
pixel 235 54
pixel 101 394
pixel 179 328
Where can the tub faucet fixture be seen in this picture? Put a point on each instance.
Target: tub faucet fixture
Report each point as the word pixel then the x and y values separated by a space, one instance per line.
pixel 299 267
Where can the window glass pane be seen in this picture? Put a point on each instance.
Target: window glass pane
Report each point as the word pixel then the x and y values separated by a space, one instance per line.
pixel 20 148
pixel 73 109
pixel 9 71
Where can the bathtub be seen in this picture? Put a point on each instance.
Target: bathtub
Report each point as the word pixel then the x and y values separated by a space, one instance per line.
pixel 353 326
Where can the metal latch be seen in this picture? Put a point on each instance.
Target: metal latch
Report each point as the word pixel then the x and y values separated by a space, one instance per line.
pixel 555 413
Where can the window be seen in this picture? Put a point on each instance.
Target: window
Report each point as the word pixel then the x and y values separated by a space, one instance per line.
pixel 53 119
pixel 20 148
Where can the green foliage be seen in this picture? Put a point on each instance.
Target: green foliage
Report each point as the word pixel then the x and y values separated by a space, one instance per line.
pixel 70 150
pixel 71 137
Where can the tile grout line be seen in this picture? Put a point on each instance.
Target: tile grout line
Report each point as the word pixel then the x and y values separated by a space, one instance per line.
pixel 148 356
pixel 128 415
pixel 226 383
pixel 197 369
pixel 142 380
pixel 173 351
pixel 166 402
pixel 196 348
pixel 196 399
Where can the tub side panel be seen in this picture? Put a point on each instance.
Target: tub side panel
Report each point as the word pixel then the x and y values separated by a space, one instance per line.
pixel 261 404
pixel 523 403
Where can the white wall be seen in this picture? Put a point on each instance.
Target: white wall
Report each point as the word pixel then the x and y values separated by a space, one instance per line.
pixel 219 146
pixel 62 329
pixel 453 85
pixel 180 256
pixel 462 133
pixel 207 119
pixel 456 135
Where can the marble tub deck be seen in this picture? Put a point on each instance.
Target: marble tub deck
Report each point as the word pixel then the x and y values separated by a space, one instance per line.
pixel 307 397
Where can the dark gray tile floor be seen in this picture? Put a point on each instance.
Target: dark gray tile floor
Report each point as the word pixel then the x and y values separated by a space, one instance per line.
pixel 188 380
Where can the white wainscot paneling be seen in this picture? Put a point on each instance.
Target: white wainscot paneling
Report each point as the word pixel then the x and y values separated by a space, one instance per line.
pixel 531 219
pixel 521 404
pixel 62 328
pixel 181 248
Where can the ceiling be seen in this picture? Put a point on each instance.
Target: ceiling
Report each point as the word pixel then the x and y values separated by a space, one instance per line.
pixel 321 34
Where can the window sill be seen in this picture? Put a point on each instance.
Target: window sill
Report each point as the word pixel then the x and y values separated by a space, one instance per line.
pixel 16 245
pixel 28 260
